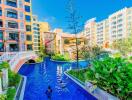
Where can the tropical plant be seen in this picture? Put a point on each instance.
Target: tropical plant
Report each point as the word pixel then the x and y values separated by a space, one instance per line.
pixel 4 65
pixel 3 97
pixel 60 57
pixel 39 59
pixel 14 79
pixel 113 75
pixel 66 41
pixel 11 93
pixel 89 52
pixel 42 53
pixel 124 46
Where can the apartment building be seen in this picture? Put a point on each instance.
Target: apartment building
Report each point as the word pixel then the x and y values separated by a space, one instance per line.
pixel 50 42
pixel 120 24
pixel 36 33
pixel 117 26
pixel 28 24
pixel 12 26
pixel 102 33
pixel 90 31
pixel 58 32
pixel 44 27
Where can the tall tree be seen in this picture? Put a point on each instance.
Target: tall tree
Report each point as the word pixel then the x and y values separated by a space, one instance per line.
pixel 74 24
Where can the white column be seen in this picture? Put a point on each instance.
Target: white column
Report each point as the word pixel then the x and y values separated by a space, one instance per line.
pixel 5 78
pixel 0 86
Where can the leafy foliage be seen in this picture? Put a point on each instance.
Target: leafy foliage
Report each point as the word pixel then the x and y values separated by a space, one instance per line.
pixel 42 52
pixel 3 97
pixel 14 79
pixel 39 59
pixel 88 52
pixel 60 57
pixel 11 93
pixel 4 65
pixel 114 75
pixel 123 45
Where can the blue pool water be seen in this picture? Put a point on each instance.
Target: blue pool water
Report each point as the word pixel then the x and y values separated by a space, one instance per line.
pixel 40 76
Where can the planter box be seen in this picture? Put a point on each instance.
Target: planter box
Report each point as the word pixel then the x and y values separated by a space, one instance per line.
pixel 101 94
pixel 91 89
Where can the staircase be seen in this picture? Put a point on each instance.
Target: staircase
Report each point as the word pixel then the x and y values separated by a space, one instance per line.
pixel 17 59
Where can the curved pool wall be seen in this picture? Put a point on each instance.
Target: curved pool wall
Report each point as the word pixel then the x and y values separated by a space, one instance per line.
pixel 40 76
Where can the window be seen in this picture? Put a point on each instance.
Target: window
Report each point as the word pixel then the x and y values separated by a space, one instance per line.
pixel 1 35
pixel 1 47
pixel 27 8
pixel 29 37
pixel 28 18
pixel 21 15
pixel 28 28
pixel 13 36
pixel 1 23
pixel 29 47
pixel 12 14
pixel 11 3
pixel 27 1
pixel 22 26
pixel 0 12
pixel 13 47
pixel 12 25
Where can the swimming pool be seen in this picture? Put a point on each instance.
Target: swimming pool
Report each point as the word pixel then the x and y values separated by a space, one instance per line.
pixel 40 76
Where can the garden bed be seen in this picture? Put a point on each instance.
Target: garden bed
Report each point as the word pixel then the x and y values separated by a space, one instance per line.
pixel 113 75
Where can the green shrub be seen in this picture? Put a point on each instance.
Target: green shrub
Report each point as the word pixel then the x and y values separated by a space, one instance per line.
pixel 4 65
pixel 11 93
pixel 117 55
pixel 3 97
pixel 14 79
pixel 130 58
pixel 60 57
pixel 39 59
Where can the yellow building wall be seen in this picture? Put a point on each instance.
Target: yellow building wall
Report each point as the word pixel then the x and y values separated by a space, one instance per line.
pixel 44 27
pixel 29 23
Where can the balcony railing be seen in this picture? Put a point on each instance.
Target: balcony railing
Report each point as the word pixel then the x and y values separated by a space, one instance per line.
pixel 2 49
pixel 12 49
pixel 12 25
pixel 10 3
pixel 12 15
pixel 13 37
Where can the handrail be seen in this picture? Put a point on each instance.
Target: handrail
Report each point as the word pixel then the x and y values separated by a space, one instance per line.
pixel 15 57
pixel 7 56
pixel 20 56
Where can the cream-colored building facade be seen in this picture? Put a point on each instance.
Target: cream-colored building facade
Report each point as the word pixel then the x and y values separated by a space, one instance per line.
pixel 117 26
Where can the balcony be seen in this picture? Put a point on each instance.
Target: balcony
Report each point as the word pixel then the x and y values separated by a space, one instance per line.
pixel 0 12
pixel 14 36
pixel 27 1
pixel 13 47
pixel 13 25
pixel 12 13
pixel 28 28
pixel 29 47
pixel 12 3
pixel 29 38
pixel 1 23
pixel 1 35
pixel 1 47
